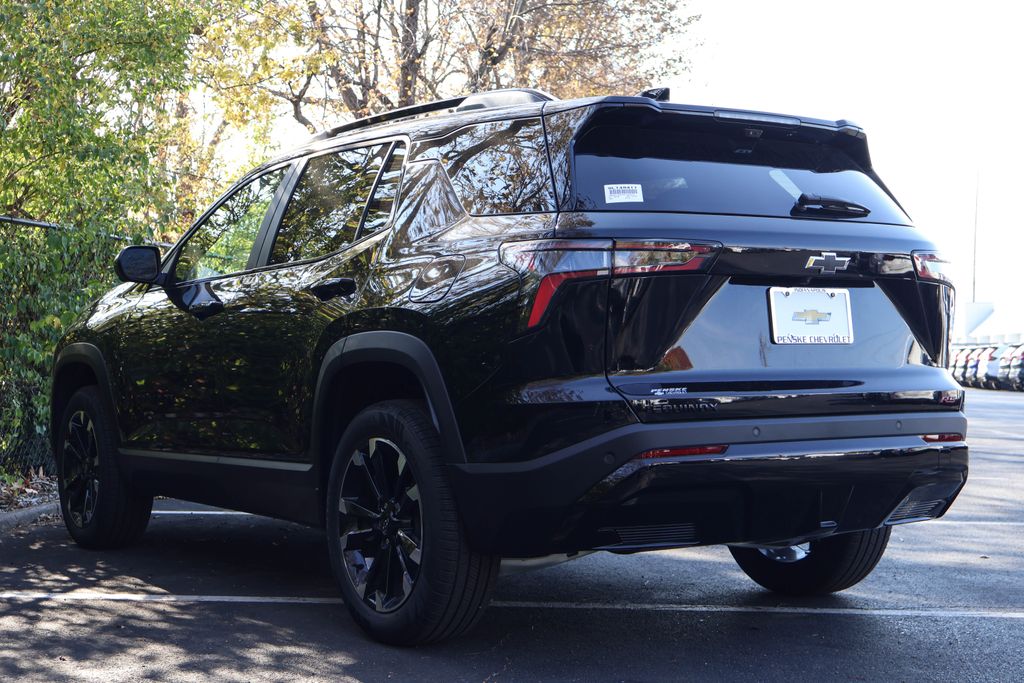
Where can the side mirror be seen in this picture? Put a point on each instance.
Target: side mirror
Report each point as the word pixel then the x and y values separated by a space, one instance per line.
pixel 138 264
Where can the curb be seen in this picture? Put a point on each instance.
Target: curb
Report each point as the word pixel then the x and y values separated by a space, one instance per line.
pixel 14 518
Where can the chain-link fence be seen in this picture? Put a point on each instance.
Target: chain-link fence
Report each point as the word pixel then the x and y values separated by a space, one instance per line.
pixel 28 454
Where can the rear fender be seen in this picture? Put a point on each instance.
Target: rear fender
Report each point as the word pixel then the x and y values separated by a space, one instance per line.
pixel 385 346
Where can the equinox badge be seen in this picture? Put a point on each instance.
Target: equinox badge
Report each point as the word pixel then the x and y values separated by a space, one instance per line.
pixel 828 263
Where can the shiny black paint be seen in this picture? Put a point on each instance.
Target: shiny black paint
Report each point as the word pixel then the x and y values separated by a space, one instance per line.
pixel 562 501
pixel 227 389
pixel 138 264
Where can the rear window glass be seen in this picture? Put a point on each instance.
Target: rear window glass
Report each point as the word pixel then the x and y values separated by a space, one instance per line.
pixel 627 168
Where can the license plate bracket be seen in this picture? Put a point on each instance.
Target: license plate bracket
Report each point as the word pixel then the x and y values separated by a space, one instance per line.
pixel 810 315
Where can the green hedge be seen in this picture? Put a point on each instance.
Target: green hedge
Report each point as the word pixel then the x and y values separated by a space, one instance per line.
pixel 47 277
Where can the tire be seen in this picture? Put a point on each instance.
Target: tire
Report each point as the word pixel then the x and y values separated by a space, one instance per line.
pixel 829 565
pixel 99 508
pixel 441 586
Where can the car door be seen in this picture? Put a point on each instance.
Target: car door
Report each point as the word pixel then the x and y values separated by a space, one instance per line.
pixel 318 260
pixel 185 345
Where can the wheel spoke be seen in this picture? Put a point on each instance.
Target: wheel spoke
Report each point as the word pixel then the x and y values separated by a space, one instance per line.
pixel 376 468
pixel 410 499
pixel 403 480
pixel 70 447
pixel 92 445
pixel 82 448
pixel 372 580
pixel 385 590
pixel 352 508
pixel 89 502
pixel 359 540
pixel 410 548
pixel 75 493
pixel 406 575
pixel 360 461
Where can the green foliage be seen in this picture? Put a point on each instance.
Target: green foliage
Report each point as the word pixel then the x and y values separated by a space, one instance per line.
pixel 81 85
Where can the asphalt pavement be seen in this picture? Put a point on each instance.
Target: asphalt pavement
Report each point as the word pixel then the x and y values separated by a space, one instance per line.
pixel 216 595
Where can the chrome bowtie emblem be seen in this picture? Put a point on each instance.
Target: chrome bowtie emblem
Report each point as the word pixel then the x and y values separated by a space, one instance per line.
pixel 828 263
pixel 812 317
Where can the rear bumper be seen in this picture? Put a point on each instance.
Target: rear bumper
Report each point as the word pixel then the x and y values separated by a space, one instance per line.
pixel 781 479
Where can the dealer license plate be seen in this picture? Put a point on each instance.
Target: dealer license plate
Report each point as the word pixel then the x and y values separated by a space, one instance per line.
pixel 810 315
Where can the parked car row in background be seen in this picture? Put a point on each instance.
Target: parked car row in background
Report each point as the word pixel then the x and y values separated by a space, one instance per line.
pixel 989 366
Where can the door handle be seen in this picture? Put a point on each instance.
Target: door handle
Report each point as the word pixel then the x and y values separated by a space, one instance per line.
pixel 338 286
pixel 204 309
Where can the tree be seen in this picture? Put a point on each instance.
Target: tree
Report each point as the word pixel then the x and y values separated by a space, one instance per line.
pixel 325 59
pixel 79 87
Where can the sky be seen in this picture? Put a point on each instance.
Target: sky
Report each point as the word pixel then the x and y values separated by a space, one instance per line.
pixel 936 86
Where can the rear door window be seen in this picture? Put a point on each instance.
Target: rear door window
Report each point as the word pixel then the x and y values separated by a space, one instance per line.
pixel 378 212
pixel 327 204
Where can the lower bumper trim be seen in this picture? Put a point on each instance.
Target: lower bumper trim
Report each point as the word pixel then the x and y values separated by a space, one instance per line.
pixel 583 499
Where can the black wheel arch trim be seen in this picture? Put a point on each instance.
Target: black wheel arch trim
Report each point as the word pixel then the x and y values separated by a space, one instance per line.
pixel 81 353
pixel 405 350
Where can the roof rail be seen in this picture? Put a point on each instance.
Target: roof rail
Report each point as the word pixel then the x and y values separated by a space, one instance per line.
pixel 484 100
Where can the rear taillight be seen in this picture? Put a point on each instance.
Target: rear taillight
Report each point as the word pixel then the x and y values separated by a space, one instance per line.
pixel 932 266
pixel 942 438
pixel 681 451
pixel 546 265
pixel 647 257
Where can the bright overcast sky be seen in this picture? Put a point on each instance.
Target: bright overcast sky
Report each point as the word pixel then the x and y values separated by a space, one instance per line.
pixel 935 85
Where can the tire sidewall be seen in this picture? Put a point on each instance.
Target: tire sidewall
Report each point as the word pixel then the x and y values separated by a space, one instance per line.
pixel 821 572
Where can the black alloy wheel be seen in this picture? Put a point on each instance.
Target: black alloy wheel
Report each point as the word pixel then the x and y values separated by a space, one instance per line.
pixel 395 539
pixel 381 525
pixel 81 481
pixel 100 506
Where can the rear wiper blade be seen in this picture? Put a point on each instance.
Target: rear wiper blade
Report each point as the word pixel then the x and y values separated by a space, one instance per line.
pixel 829 205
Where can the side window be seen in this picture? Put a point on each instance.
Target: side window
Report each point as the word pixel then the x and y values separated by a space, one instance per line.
pixel 379 210
pixel 222 244
pixel 327 204
pixel 496 168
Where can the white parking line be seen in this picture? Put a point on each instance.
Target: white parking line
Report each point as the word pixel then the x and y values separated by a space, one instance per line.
pixel 94 596
pixel 975 521
pixel 200 513
pixel 756 609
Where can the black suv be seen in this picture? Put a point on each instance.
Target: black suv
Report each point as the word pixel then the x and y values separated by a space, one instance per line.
pixel 509 326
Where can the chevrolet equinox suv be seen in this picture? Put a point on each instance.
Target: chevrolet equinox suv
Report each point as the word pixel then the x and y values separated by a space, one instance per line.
pixel 507 326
